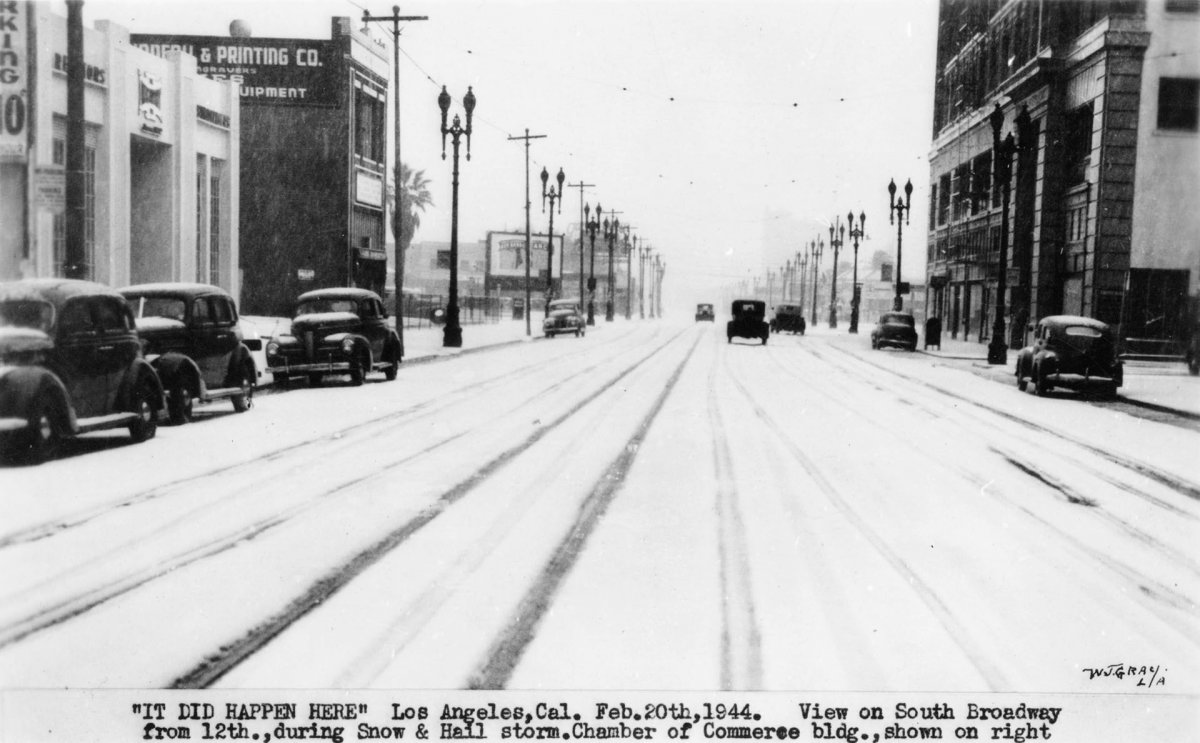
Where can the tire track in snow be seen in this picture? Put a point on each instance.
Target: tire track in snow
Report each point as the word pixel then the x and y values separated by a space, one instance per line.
pixel 297 483
pixel 507 649
pixel 741 639
pixel 1148 585
pixel 253 465
pixel 957 631
pixel 224 659
pixel 1178 484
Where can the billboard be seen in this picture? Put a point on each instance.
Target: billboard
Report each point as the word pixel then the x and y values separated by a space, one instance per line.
pixel 270 71
pixel 14 85
pixel 506 259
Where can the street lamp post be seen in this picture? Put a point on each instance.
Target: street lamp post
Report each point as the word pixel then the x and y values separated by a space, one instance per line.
pixel 802 259
pixel 642 281
pixel 593 226
pixel 898 211
pixel 837 235
pixel 629 251
pixel 611 228
pixel 815 248
pixel 452 332
pixel 1002 153
pixel 527 138
pixel 856 233
pixel 553 196
pixel 581 185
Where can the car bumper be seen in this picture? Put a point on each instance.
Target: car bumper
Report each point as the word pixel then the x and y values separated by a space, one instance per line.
pixel 285 367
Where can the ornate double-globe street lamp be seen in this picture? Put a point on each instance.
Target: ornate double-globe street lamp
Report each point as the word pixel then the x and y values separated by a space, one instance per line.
pixel 1002 155
pixel 553 196
pixel 643 250
pixel 593 226
pixel 856 234
pixel 815 247
pixel 837 233
pixel 898 212
pixel 452 332
pixel 612 228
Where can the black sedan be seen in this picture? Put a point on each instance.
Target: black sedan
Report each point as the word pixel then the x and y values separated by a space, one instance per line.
pixel 895 329
pixel 563 316
pixel 1070 351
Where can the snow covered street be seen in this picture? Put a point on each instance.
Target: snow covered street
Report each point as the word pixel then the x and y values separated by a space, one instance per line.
pixel 647 507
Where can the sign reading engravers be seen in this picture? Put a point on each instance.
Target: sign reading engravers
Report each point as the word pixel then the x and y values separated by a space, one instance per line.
pixel 273 71
pixel 506 259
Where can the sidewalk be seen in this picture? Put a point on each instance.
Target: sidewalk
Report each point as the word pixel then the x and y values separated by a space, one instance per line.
pixel 1158 384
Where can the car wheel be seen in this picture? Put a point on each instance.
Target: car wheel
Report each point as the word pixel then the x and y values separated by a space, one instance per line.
pixel 576 333
pixel 145 425
pixel 764 340
pixel 244 400
pixel 315 379
pixel 358 370
pixel 729 339
pixel 1041 382
pixel 393 362
pixel 40 441
pixel 1022 382
pixel 179 402
pixel 1193 364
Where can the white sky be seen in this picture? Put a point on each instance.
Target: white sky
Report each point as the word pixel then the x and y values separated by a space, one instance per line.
pixel 728 134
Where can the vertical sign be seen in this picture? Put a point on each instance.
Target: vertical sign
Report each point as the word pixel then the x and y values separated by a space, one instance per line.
pixel 14 90
pixel 150 102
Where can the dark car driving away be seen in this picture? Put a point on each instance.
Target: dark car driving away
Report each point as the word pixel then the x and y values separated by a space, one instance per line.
pixel 1070 351
pixel 748 320
pixel 895 329
pixel 789 318
pixel 563 316
pixel 336 331
pixel 191 337
pixel 70 363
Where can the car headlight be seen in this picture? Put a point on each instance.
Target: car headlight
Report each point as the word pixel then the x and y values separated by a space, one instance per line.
pixel 348 346
pixel 272 349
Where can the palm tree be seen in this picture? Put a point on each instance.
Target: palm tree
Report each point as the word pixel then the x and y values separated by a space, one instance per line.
pixel 414 197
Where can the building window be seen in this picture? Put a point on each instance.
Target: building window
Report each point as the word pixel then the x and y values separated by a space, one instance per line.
pixel 200 252
pixel 1179 104
pixel 943 199
pixel 1078 143
pixel 1183 6
pixel 368 126
pixel 214 228
pixel 443 259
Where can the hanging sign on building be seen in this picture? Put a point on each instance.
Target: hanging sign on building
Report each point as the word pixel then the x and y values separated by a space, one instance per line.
pixel 271 71
pixel 150 102
pixel 14 85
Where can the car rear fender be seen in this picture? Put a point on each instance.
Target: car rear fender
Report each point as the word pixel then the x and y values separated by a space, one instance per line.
pixel 20 388
pixel 140 372
pixel 171 367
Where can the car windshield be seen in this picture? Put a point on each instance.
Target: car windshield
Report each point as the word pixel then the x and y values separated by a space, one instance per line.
pixel 898 320
pixel 704 307
pixel 1082 331
pixel 168 307
pixel 562 305
pixel 26 313
pixel 314 306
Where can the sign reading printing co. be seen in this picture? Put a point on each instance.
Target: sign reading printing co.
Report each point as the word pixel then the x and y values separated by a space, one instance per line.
pixel 272 71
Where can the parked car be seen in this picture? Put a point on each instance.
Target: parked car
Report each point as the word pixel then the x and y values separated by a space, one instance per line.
pixel 191 336
pixel 336 331
pixel 563 316
pixel 895 329
pixel 748 320
pixel 704 312
pixel 789 318
pixel 70 363
pixel 1070 351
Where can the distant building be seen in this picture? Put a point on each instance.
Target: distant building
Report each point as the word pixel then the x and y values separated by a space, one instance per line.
pixel 161 154
pixel 314 150
pixel 1103 100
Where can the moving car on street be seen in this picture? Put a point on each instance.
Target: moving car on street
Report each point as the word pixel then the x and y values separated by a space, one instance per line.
pixel 563 316
pixel 70 363
pixel 704 312
pixel 336 331
pixel 1070 351
pixel 789 318
pixel 748 320
pixel 191 336
pixel 895 329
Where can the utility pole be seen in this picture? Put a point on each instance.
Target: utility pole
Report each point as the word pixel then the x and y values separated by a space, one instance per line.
pixel 528 306
pixel 77 264
pixel 397 215
pixel 581 185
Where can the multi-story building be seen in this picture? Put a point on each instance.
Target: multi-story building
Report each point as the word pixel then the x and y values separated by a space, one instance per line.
pixel 1101 97
pixel 161 157
pixel 314 151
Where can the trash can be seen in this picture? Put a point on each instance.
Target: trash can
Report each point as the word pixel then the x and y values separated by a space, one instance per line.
pixel 518 308
pixel 933 332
